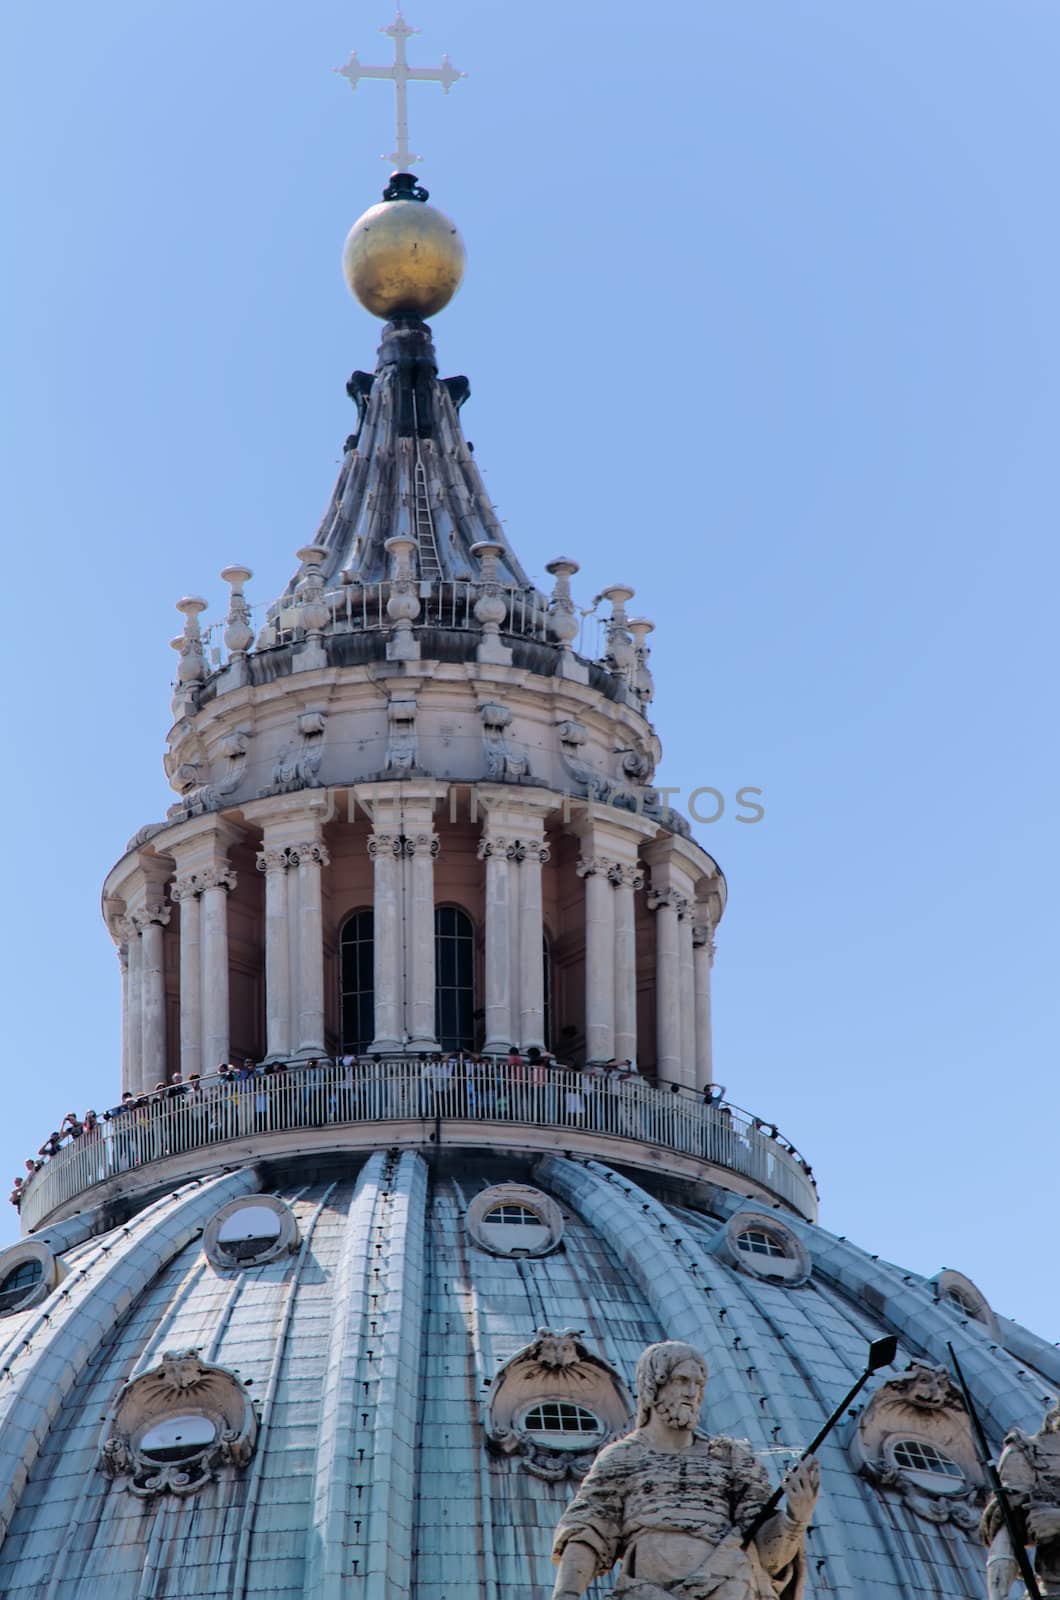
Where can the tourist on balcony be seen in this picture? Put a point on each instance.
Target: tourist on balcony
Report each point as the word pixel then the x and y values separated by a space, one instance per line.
pixel 51 1145
pixel 71 1126
pixel 16 1193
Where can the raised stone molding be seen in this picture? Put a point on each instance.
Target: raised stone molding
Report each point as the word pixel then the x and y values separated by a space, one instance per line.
pixel 182 1386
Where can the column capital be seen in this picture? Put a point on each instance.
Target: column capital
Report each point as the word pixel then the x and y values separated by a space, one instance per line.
pixel 588 865
pixel 660 897
pixel 189 885
pixel 309 850
pixel 624 876
pixel 275 858
pixel 383 844
pixel 423 844
pixel 521 850
pixel 154 911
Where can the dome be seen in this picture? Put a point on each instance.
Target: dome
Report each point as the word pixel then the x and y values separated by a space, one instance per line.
pixel 388 1418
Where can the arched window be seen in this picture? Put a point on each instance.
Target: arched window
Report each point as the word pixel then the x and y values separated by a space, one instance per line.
pixel 454 994
pixel 546 956
pixel 357 980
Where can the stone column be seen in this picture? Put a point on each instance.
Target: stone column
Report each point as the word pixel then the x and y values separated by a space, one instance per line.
pixel 531 855
pixel 133 1031
pixel 667 906
pixel 384 848
pixel 152 919
pixel 419 852
pixel 688 993
pixel 184 891
pixel 493 849
pixel 217 886
pixel 626 880
pixel 599 957
pixel 703 943
pixel 274 861
pixel 309 857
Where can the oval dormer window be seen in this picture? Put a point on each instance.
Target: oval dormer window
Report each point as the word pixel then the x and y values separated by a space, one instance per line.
pixel 178 1438
pixel 928 1466
pixel 562 1423
pixel 759 1243
pixel 249 1232
pixel 18 1284
pixel 513 1219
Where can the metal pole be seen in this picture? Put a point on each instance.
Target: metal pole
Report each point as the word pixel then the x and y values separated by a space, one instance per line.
pixel 1019 1548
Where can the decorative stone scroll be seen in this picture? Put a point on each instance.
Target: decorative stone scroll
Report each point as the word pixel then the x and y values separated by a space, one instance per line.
pixel 554 1404
pixel 179 1426
pixel 915 1438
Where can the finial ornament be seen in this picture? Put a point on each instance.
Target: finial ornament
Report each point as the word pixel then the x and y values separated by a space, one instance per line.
pixel 401 74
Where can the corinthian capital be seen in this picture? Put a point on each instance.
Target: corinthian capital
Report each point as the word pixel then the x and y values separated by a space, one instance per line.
pixel 659 899
pixel 625 876
pixel 154 911
pixel 383 844
pixel 274 860
pixel 422 844
pixel 311 850
pixel 703 938
pixel 588 865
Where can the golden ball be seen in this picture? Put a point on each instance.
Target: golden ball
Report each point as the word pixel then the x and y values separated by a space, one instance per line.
pixel 403 256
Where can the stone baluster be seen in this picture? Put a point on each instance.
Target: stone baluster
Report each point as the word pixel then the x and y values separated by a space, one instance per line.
pixel 310 857
pixel 620 656
pixel 599 956
pixel 192 668
pixel 274 860
pixel 642 682
pixel 493 849
pixel 490 609
pixel 703 943
pixel 420 851
pixel 184 892
pixel 151 920
pixel 563 623
pixel 667 905
pixel 384 848
pixel 238 633
pixel 313 612
pixel 626 880
pixel 403 606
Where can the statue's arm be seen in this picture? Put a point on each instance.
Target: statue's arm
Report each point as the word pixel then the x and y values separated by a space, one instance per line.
pixel 780 1539
pixel 577 1569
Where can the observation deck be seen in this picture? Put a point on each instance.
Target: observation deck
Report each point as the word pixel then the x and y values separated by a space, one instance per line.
pixel 401 1102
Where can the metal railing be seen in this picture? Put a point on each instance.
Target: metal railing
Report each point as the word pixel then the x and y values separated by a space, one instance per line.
pixel 402 1089
pixel 361 607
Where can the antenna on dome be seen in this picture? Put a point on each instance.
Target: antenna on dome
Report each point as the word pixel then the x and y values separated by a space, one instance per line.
pixel 401 75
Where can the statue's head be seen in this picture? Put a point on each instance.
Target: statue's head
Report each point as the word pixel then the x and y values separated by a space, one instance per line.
pixel 671 1379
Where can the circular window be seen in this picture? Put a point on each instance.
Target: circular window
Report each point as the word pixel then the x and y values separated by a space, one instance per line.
pixel 250 1232
pixel 759 1244
pixel 178 1438
pixel 927 1466
pixel 28 1274
pixel 511 1219
pixel 562 1424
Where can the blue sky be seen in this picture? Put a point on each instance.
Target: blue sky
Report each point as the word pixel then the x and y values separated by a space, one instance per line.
pixel 760 317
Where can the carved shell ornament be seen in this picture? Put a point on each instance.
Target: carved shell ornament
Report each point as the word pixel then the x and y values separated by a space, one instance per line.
pixel 177 1427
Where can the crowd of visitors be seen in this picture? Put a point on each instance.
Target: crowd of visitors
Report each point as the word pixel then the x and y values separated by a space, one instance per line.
pixel 249 1096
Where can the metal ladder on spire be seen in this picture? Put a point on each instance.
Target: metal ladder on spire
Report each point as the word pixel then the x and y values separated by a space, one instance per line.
pixel 423 521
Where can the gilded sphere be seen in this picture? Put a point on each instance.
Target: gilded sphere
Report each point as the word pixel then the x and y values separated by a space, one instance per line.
pixel 403 256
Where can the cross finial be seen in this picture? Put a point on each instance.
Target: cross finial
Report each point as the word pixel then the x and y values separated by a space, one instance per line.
pixel 401 75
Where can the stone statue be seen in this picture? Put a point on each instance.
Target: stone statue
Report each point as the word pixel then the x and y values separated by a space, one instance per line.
pixel 672 1504
pixel 1029 1469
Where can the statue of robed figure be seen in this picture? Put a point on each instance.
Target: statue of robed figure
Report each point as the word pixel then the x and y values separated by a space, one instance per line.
pixel 675 1507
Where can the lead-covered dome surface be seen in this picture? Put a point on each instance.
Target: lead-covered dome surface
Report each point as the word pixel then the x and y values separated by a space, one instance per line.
pixel 369 1358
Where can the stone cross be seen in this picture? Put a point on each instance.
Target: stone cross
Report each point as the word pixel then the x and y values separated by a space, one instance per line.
pixel 401 75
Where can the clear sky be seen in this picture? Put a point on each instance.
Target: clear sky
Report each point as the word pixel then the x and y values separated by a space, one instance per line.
pixel 761 317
